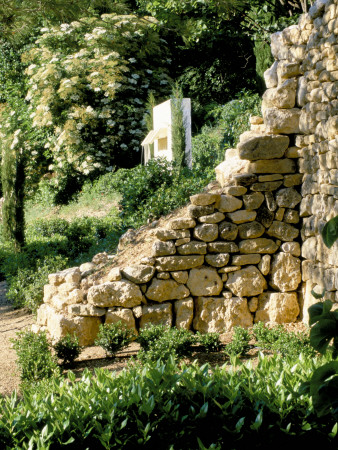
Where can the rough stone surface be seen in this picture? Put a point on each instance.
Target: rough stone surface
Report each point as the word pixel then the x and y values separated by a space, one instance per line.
pixel 288 198
pixel 181 276
pixel 204 281
pixel 285 272
pixel 217 260
pixel 204 199
pixel 139 273
pixel 253 201
pixel 156 315
pixel 115 293
pixel 86 328
pixel 193 248
pixel 228 203
pixel 222 247
pixel 86 310
pixel 250 230
pixel 182 223
pixel 282 121
pixel 166 235
pixel 200 211
pixel 273 166
pixel 221 314
pixel 246 282
pixel 277 307
pixel 263 147
pixel 184 312
pixel 243 260
pixel 242 216
pixel 212 218
pixel 114 274
pixel 175 263
pixel 283 231
pixel 259 245
pixel 162 290
pixel 161 248
pixel 264 265
pixel 123 315
pixel 228 231
pixel 206 232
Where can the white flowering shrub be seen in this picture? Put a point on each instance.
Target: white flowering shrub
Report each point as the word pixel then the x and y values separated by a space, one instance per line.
pixel 88 83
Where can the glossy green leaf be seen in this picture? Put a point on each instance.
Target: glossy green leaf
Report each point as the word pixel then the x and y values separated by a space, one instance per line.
pixel 330 232
pixel 322 333
pixel 324 388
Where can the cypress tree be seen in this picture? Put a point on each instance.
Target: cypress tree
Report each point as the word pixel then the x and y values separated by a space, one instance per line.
pixel 177 128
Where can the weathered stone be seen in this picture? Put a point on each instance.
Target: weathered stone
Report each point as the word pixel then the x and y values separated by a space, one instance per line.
pixel 66 288
pixel 49 290
pixel 166 235
pixel 161 276
pixel 242 216
pixel 285 272
pixel 228 170
pixel 182 223
pixel 86 328
pixel 288 198
pixel 200 211
pixel 282 121
pixel 246 282
pixel 284 96
pixel 286 70
pixel 265 216
pixel 174 263
pixel 156 315
pixel 222 247
pixel 264 265
pixel 115 293
pixel 139 273
pixel 123 315
pixel 162 290
pixel 236 191
pixel 204 199
pixel 277 307
pixel 309 248
pixel 180 276
pixel 86 310
pixel 260 146
pixel 114 274
pixel 206 232
pixel 279 214
pixel 221 314
pixel 270 177
pixel 182 241
pixel 243 260
pixel 267 186
pixel 184 311
pixel 137 311
pixel 259 245
pixel 283 231
pixel 204 281
pixel 229 269
pixel 224 277
pixel 100 258
pixel 212 218
pixel 161 248
pixel 250 230
pixel 43 313
pixel 72 275
pixel 228 231
pixel 245 179
pixel 228 203
pixel 193 247
pixel 293 180
pixel 253 201
pixel 270 76
pixel 147 261
pixel 253 304
pixel 291 247
pixel 284 165
pixel 291 216
pixel 87 267
pixel 217 260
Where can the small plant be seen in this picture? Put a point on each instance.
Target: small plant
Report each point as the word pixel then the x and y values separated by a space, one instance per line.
pixel 113 337
pixel 35 359
pixel 159 343
pixel 240 342
pixel 209 342
pixel 67 348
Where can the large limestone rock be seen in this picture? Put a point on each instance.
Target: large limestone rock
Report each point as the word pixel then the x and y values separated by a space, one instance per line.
pixel 123 315
pixel 278 307
pixel 221 314
pixel 156 315
pixel 162 290
pixel 199 211
pixel 182 223
pixel 222 247
pixel 288 198
pixel 228 230
pixel 228 203
pixel 253 201
pixel 193 248
pixel 217 260
pixel 283 121
pixel 226 170
pixel 184 311
pixel 204 199
pixel 206 232
pixel 285 272
pixel 139 274
pixel 283 231
pixel 86 310
pixel 284 96
pixel 115 293
pixel 246 282
pixel 242 216
pixel 86 328
pixel 259 245
pixel 72 275
pixel 250 230
pixel 258 146
pixel 161 248
pixel 175 263
pixel 166 235
pixel 283 165
pixel 204 281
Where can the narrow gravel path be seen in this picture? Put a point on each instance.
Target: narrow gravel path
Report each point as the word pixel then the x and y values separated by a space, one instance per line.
pixel 11 321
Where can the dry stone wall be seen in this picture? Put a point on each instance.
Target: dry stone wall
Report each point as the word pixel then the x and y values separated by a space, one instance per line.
pixel 249 249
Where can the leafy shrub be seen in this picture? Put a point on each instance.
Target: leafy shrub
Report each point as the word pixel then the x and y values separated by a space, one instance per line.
pixel 67 348
pixel 159 343
pixel 164 406
pixel 113 337
pixel 34 357
pixel 280 340
pixel 209 342
pixel 240 342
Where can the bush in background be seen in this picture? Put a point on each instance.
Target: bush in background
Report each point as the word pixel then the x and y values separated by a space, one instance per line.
pixel 113 337
pixel 67 349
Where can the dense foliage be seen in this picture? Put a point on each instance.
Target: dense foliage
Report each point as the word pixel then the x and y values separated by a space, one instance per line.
pixel 165 406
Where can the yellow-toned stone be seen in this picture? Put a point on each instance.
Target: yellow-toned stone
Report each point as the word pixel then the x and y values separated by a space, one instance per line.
pixel 184 312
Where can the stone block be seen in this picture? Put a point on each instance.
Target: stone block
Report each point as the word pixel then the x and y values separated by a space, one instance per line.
pixel 253 201
pixel 182 223
pixel 246 282
pixel 200 211
pixel 259 245
pixel 166 235
pixel 184 312
pixel 175 263
pixel 115 293
pixel 217 259
pixel 285 272
pixel 282 121
pixel 163 290
pixel 193 248
pixel 206 232
pixel 250 230
pixel 222 247
pixel 228 203
pixel 123 315
pixel 277 307
pixel 204 281
pixel 204 199
pixel 212 218
pixel 139 273
pixel 180 276
pixel 228 231
pixel 264 265
pixel 243 260
pixel 258 146
pixel 283 231
pixel 242 216
pixel 156 315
